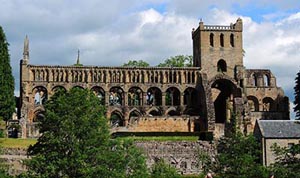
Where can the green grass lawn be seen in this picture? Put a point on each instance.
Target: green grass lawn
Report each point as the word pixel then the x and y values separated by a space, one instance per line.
pixel 16 142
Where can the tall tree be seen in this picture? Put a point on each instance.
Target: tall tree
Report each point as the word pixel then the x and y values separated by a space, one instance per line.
pixel 7 99
pixel 75 141
pixel 178 61
pixel 287 161
pixel 297 96
pixel 238 157
pixel 135 63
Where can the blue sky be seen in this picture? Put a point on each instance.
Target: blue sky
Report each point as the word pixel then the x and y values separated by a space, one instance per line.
pixel 112 32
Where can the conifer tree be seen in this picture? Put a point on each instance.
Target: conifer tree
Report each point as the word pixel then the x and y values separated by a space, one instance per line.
pixel 297 96
pixel 7 100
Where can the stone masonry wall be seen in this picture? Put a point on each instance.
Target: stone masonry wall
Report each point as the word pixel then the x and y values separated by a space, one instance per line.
pixel 181 154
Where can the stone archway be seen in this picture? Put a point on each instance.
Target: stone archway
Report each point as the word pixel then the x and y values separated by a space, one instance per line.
pixel 226 101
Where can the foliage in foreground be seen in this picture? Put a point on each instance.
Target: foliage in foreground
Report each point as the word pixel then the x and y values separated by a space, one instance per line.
pixel 7 99
pixel 238 157
pixel 75 142
pixel 161 169
pixel 287 161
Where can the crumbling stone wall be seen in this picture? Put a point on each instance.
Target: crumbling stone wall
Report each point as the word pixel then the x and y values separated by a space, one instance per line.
pixel 183 155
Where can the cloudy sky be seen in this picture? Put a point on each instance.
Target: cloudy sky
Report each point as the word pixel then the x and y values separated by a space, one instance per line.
pixel 115 31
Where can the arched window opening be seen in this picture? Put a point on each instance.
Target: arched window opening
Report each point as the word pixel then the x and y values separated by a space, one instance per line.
pixel 154 113
pixel 40 96
pixel 232 40
pixel 173 113
pixel 211 40
pixel 266 80
pixel 99 92
pixel 133 117
pixel 222 66
pixel 38 116
pixel 135 96
pixel 190 97
pixel 254 80
pixel 172 97
pixel 222 40
pixel 154 96
pixel 116 120
pixel 268 104
pixel 253 103
pixel 116 96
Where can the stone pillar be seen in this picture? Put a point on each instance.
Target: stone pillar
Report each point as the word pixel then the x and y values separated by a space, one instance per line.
pixel 125 98
pixel 181 99
pixel 163 98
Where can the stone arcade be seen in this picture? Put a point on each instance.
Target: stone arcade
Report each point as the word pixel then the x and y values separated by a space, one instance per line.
pixel 189 99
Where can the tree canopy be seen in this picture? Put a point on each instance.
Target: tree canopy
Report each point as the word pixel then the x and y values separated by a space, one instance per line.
pixel 178 61
pixel 135 63
pixel 238 157
pixel 287 161
pixel 75 141
pixel 297 96
pixel 7 99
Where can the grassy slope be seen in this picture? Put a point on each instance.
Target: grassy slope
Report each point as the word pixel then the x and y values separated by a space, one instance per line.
pixel 16 143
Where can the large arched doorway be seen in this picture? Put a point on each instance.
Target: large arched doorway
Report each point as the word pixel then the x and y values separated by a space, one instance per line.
pixel 224 92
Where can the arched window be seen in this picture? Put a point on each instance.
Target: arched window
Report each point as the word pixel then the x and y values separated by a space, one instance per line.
pixel 135 96
pixel 266 80
pixel 211 40
pixel 222 66
pixel 222 40
pixel 254 80
pixel 232 40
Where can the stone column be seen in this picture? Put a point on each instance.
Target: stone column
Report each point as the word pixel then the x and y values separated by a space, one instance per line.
pixel 163 98
pixel 181 99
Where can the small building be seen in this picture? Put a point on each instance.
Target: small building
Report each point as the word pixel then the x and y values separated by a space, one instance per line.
pixel 283 132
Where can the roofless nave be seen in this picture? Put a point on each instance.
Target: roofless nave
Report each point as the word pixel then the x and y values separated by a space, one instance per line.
pixel 150 99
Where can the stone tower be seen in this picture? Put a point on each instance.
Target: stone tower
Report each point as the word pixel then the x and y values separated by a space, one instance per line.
pixel 218 48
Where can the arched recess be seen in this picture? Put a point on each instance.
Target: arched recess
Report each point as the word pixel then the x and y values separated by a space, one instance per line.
pixel 38 115
pixel 100 93
pixel 222 40
pixel 254 79
pixel 135 96
pixel 268 104
pixel 117 119
pixel 172 112
pixel 116 96
pixel 154 112
pixel 253 103
pixel 232 40
pixel 172 96
pixel 79 87
pixel 192 101
pixel 224 96
pixel 57 88
pixel 211 40
pixel 266 80
pixel 222 66
pixel 40 95
pixel 134 115
pixel 154 96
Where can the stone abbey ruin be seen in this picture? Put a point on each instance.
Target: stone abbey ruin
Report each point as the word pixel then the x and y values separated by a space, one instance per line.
pixel 166 99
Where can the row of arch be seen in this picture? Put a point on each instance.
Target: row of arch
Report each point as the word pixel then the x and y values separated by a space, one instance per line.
pixel 259 79
pixel 115 75
pixel 221 40
pixel 266 105
pixel 135 96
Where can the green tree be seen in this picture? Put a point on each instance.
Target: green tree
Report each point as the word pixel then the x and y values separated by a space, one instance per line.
pixel 135 63
pixel 178 61
pixel 161 169
pixel 239 157
pixel 287 161
pixel 297 96
pixel 75 141
pixel 7 99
